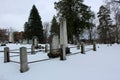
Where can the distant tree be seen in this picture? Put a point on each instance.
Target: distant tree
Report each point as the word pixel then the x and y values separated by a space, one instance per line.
pixel 90 24
pixel 104 21
pixel 34 26
pixel 46 31
pixel 18 36
pixel 118 26
pixel 55 28
pixel 3 35
pixel 27 31
pixel 114 6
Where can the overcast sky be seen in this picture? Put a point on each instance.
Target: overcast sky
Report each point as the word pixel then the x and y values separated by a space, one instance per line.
pixel 14 13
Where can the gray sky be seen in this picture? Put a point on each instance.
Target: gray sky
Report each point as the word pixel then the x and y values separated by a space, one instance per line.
pixel 14 13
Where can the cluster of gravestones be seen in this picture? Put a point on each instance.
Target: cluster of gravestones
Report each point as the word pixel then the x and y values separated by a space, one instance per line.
pixel 23 55
pixel 83 47
pixel 58 48
pixel 55 48
pixel 2 44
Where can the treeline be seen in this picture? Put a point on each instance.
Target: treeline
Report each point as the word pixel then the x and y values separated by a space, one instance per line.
pixel 78 17
pixel 80 20
pixel 109 27
pixel 5 33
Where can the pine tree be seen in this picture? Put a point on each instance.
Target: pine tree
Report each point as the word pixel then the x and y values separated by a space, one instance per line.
pixel 55 26
pixel 64 8
pixel 34 26
pixel 89 23
pixel 104 20
pixel 75 13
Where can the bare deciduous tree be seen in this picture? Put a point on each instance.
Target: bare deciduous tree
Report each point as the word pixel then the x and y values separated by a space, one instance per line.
pixel 46 30
pixel 114 6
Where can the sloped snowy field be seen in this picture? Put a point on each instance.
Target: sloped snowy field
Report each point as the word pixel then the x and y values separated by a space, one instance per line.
pixel 102 64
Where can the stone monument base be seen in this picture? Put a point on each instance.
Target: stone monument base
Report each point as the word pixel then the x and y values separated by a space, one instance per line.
pixel 57 53
pixel 54 53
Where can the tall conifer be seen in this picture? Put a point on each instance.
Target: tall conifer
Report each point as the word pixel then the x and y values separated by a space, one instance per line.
pixel 55 26
pixel 34 25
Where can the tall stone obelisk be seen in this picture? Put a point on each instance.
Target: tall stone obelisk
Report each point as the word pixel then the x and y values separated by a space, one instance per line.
pixel 63 39
pixel 63 32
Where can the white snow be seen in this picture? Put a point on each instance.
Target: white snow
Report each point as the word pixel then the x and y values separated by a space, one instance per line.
pixel 102 64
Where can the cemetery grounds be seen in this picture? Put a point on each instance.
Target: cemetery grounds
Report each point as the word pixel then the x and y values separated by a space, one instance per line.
pixel 102 64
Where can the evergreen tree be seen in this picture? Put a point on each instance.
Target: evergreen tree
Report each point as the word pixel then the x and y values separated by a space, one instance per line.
pixel 76 15
pixel 89 23
pixel 55 27
pixel 34 26
pixel 104 20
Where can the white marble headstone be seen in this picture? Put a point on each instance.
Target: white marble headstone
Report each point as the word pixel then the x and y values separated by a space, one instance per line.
pixel 55 42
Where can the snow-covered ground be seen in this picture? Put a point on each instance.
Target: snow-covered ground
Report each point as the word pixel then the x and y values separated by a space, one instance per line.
pixel 102 64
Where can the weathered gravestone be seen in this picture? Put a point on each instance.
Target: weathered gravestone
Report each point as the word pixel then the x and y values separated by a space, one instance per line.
pixel 24 41
pixel 54 46
pixel 46 48
pixel 94 46
pixel 30 41
pixel 11 37
pixel 6 55
pixel 55 49
pixel 23 60
pixel 35 42
pixel 82 48
pixel 78 45
pixel 32 49
pixel 75 40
